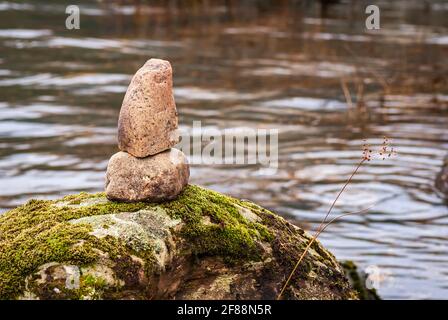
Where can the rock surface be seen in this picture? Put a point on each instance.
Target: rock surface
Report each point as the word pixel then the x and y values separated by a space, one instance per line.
pixel 203 245
pixel 148 118
pixel 358 280
pixel 155 178
pixel 442 178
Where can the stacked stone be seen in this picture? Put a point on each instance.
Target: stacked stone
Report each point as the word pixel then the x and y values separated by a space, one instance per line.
pixel 148 168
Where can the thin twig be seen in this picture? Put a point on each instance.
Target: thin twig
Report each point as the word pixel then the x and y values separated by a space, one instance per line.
pixel 342 190
pixel 378 77
pixel 320 228
pixel 346 214
pixel 347 94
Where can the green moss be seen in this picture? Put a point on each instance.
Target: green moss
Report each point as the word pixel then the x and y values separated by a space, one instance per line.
pixel 90 287
pixel 78 198
pixel 93 282
pixel 228 234
pixel 40 232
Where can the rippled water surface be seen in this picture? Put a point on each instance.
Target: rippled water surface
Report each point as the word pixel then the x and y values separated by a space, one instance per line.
pixel 257 66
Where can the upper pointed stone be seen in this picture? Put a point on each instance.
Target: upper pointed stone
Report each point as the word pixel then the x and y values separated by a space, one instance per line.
pixel 148 117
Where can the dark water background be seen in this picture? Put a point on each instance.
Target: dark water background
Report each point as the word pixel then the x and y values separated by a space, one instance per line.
pixel 258 65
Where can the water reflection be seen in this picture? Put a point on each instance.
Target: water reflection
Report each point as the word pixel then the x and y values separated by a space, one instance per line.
pixel 249 65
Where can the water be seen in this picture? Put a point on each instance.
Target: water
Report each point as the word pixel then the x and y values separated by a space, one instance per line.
pixel 257 66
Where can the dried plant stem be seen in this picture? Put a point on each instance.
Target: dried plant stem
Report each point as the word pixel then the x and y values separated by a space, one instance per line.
pixel 322 226
pixel 378 77
pixel 347 95
pixel 344 215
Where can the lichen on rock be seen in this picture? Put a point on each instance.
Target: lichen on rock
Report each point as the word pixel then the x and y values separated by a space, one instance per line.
pixel 202 245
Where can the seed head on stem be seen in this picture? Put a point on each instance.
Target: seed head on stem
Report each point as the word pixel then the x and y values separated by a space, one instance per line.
pixel 385 150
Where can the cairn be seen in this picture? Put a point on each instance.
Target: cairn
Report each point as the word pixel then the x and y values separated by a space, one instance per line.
pixel 148 168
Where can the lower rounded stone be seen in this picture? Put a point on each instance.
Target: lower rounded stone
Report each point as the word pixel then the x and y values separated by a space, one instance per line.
pixel 155 178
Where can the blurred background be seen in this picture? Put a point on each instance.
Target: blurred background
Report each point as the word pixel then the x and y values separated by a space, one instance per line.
pixel 307 68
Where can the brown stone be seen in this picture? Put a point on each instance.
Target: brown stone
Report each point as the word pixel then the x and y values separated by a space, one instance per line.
pixel 148 117
pixel 155 178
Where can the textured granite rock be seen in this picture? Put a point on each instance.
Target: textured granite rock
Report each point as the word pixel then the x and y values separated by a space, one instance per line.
pixel 147 123
pixel 155 178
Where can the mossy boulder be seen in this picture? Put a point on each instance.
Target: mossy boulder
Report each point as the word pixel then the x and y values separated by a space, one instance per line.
pixel 203 245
